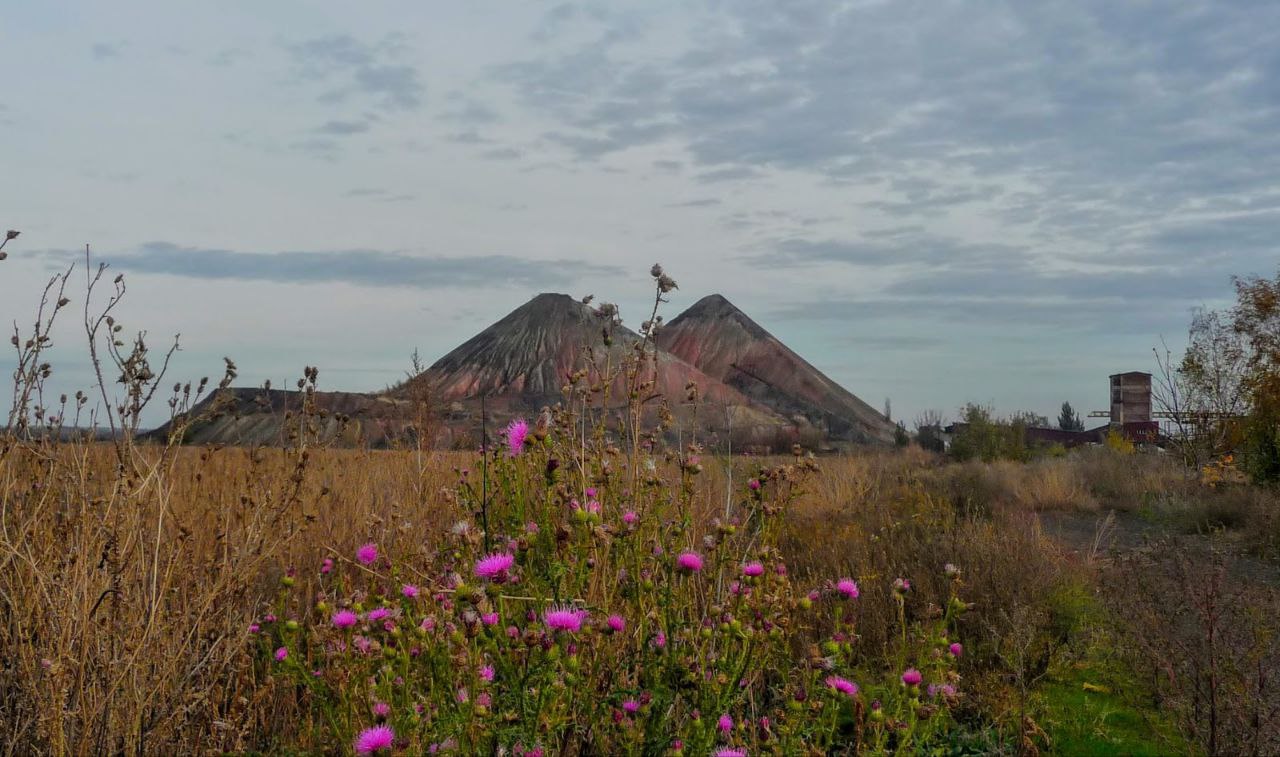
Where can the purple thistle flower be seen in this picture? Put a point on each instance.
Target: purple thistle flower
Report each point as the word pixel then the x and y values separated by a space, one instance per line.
pixel 327 565
pixel 367 553
pixel 842 685
pixel 517 431
pixel 616 623
pixel 281 654
pixel 375 739
pixel 377 613
pixel 381 710
pixel 848 587
pixel 689 562
pixel 630 706
pixel 725 723
pixel 490 618
pixel 409 591
pixel 494 567
pixel 563 619
pixel 753 569
pixel 754 484
pixel 630 517
pixel 730 752
pixel 912 677
pixel 344 619
pixel 487 673
pixel 956 649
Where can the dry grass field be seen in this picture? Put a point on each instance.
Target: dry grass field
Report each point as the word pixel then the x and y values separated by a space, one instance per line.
pixel 128 592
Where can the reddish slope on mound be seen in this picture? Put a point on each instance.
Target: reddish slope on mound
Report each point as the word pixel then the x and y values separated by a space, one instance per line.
pixel 724 343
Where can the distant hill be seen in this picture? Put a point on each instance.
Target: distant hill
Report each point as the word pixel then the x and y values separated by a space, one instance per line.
pixel 752 388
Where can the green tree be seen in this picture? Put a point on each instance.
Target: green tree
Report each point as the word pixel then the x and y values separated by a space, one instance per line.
pixel 900 436
pixel 1068 419
pixel 1256 317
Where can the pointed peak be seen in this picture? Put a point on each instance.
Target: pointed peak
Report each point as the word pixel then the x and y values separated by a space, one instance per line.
pixel 714 306
pixel 717 308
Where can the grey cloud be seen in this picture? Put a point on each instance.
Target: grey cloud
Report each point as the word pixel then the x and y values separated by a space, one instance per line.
pixel 1103 115
pixel 343 128
pixel 346 67
pixel 471 112
pixel 379 195
pixel 736 173
pixel 906 247
pixel 705 202
pixel 105 51
pixel 374 268
pixel 1011 313
pixel 503 153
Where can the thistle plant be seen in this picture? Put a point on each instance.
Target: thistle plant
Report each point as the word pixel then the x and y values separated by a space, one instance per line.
pixel 583 602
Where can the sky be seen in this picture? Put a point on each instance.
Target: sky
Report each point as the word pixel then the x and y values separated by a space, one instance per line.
pixel 934 202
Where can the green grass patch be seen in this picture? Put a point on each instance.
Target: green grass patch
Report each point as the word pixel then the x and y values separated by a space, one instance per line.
pixel 1090 702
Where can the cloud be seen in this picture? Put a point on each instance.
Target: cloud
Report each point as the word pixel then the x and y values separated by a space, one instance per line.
pixel 705 202
pixel 105 50
pixel 1066 119
pixel 343 128
pixel 379 195
pixel 372 268
pixel 347 68
pixel 503 153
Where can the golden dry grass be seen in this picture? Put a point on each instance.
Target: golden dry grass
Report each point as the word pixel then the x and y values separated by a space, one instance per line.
pixel 126 596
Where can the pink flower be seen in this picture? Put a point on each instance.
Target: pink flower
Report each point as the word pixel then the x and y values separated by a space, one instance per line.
pixel 345 619
pixel 563 619
pixel 660 641
pixel 847 587
pixel 367 553
pixel 487 672
pixel 901 586
pixel 484 700
pixel 591 492
pixel 725 723
pixel 630 706
pixel 517 431
pixel 754 484
pixel 689 562
pixel 956 649
pixel 490 618
pixel 381 710
pixel 375 739
pixel 494 567
pixel 912 677
pixel 281 654
pixel 753 569
pixel 842 685
pixel 378 613
pixel 254 628
pixel 327 565
pixel 409 591
pixel 730 752
pixel 630 517
pixel 616 623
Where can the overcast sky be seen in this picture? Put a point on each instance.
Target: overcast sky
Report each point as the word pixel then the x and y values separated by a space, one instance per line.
pixel 932 201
